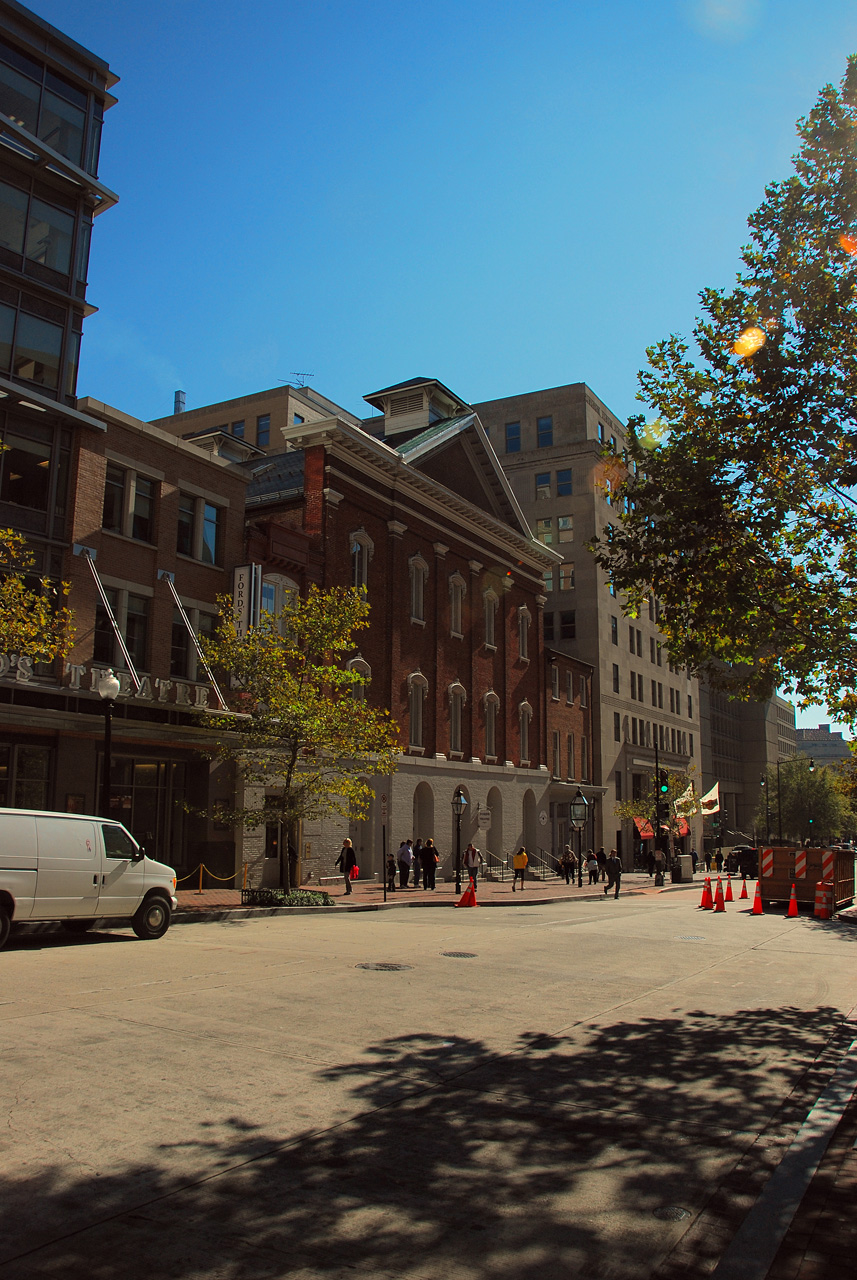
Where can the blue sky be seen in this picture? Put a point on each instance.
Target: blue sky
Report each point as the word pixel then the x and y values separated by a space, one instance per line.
pixel 503 195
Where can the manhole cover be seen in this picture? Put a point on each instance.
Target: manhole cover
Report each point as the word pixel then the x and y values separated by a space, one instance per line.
pixel 387 968
pixel 460 955
pixel 672 1213
pixel 690 937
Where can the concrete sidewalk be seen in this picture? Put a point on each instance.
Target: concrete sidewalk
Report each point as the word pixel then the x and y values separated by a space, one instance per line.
pixel 366 895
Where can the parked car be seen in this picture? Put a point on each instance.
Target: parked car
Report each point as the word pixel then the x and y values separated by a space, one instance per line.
pixel 76 869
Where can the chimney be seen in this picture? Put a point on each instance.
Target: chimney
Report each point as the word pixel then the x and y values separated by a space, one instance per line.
pixel 178 404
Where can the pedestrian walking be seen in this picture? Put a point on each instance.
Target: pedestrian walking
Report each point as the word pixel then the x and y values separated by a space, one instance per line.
pixel 660 866
pixel 347 860
pixel 391 872
pixel 694 859
pixel 568 864
pixel 592 867
pixel 405 858
pixel 707 856
pixel 650 861
pixel 718 860
pixel 519 866
pixel 614 873
pixel 601 856
pixel 419 874
pixel 429 858
pixel 473 860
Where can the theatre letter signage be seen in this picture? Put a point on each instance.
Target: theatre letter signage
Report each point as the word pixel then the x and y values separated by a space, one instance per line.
pixel 181 693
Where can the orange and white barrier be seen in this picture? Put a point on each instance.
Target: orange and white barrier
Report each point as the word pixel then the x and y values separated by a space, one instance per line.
pixel 767 862
pixel 828 858
pixel 823 901
pixel 800 864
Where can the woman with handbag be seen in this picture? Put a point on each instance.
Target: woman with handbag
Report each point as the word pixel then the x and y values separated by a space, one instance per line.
pixel 347 860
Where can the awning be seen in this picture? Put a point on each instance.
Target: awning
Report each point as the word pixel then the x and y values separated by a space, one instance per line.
pixel 683 828
pixel 644 827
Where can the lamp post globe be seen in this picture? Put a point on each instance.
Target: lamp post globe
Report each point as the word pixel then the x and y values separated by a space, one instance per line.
pixel 459 804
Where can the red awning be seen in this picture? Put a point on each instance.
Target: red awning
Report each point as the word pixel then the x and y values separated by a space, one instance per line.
pixel 683 828
pixel 644 827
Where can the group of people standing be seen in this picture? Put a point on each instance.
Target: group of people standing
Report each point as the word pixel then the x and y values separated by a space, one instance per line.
pixel 420 859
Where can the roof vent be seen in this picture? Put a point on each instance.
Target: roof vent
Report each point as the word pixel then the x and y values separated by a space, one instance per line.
pixel 179 402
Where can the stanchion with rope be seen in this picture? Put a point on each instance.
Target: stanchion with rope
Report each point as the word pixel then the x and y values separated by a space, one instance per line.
pixel 202 867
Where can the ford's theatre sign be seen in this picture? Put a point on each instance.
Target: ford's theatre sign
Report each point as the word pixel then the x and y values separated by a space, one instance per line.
pixel 84 677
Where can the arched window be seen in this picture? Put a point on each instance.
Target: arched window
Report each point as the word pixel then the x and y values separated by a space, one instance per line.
pixel 417 689
pixel 525 716
pixel 492 702
pixel 419 575
pixel 362 548
pixel 490 600
pixel 277 592
pixel 359 664
pixel 457 589
pixel 457 699
pixel 524 632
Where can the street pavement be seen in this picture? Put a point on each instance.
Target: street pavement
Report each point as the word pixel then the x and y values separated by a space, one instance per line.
pixel 587 1088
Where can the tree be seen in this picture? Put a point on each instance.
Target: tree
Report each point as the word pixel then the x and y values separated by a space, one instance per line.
pixel 740 517
pixel 675 805
pixel 815 803
pixel 305 739
pixel 34 619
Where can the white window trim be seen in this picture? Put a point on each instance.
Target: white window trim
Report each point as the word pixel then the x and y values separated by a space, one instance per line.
pixel 359 537
pixel 457 701
pixel 457 592
pixel 525 720
pixel 524 620
pixel 417 693
pixel 359 664
pixel 490 601
pixel 492 704
pixel 419 572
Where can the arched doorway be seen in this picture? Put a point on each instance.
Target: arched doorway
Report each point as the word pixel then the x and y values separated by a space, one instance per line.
pixel 423 812
pixel 494 852
pixel 362 834
pixel 530 836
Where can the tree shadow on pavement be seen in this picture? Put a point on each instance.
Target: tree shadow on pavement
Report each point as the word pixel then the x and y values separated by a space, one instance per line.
pixel 553 1159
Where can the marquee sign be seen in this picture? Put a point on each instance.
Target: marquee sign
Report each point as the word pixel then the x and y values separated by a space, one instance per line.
pixel 85 676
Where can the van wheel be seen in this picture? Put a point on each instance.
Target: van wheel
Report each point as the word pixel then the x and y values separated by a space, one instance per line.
pixel 152 919
pixel 77 926
pixel 5 926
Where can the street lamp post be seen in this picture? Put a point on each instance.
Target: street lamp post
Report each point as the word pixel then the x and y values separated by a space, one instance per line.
pixel 578 809
pixel 764 784
pixel 459 804
pixel 108 690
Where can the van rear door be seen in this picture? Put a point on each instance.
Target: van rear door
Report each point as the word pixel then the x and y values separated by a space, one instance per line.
pixel 69 874
pixel 18 860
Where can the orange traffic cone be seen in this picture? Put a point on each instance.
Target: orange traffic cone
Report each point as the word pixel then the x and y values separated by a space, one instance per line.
pixel 743 893
pixel 468 898
pixel 707 901
pixel 728 894
pixel 757 901
pixel 718 897
pixel 792 911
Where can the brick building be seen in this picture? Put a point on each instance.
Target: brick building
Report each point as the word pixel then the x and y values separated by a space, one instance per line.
pixel 148 513
pixel 414 507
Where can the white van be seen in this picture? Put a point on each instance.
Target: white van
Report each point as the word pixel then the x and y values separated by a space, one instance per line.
pixel 74 868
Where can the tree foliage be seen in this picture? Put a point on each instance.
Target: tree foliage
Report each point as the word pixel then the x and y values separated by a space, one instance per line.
pixel 34 619
pixel 819 794
pixel 741 518
pixel 305 740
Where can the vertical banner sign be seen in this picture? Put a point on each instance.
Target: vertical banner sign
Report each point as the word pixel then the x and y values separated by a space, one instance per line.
pixel 246 596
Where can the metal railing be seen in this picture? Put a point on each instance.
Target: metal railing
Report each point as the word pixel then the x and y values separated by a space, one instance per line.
pixel 539 867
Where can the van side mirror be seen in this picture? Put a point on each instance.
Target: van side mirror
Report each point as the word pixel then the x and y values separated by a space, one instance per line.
pixel 138 855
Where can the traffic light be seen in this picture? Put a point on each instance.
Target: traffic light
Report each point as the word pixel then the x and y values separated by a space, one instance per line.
pixel 663 784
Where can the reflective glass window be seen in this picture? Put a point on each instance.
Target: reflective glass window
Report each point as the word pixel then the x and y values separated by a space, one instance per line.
pixel 184 538
pixel 37 351
pixel 19 98
pixel 49 236
pixel 26 472
pixel 544 432
pixel 211 534
pixel 142 516
pixel 137 629
pixel 563 483
pixel 513 437
pixel 13 217
pixel 114 498
pixel 7 336
pixel 263 430
pixel 179 648
pixel 61 126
